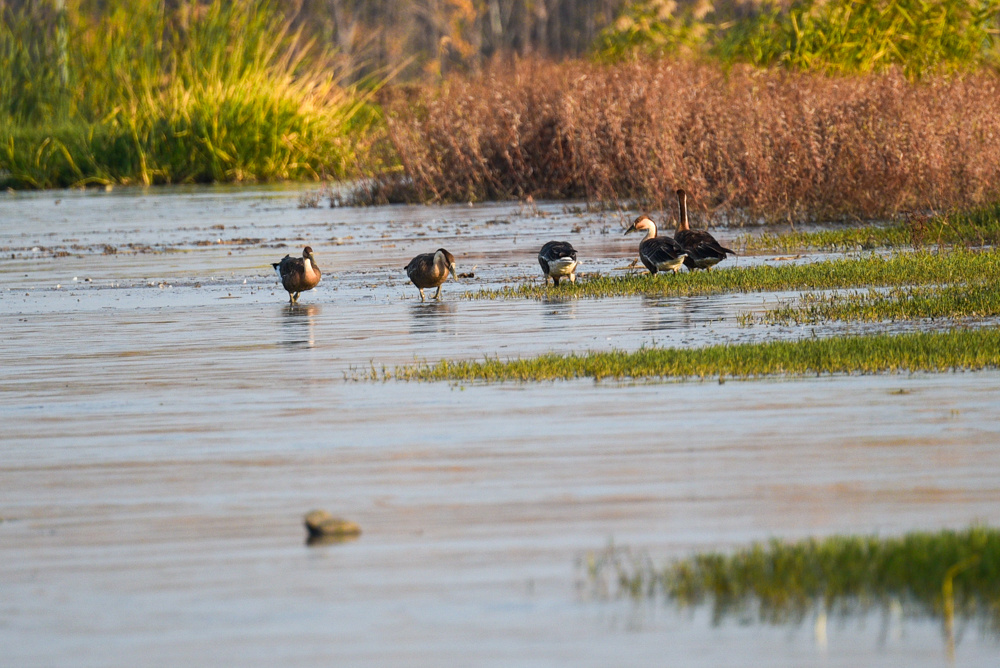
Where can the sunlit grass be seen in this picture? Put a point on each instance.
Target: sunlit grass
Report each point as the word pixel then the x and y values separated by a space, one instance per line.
pixel 975 227
pixel 901 269
pixel 925 351
pixel 145 96
pixel 978 300
pixel 928 571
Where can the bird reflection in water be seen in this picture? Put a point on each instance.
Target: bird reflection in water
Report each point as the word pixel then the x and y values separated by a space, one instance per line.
pixel 666 313
pixel 298 322
pixel 559 309
pixel 433 316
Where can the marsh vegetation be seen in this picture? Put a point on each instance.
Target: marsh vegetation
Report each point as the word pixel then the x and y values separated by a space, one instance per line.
pixel 954 350
pixel 871 269
pixel 940 573
pixel 134 93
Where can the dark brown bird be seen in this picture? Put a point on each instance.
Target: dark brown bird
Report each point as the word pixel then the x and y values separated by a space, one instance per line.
pixel 657 253
pixel 558 260
pixel 703 251
pixel 430 270
pixel 298 274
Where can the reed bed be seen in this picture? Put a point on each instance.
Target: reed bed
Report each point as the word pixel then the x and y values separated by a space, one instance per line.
pixel 140 94
pixel 925 351
pixel 935 573
pixel 898 270
pixel 977 227
pixel 978 301
pixel 754 145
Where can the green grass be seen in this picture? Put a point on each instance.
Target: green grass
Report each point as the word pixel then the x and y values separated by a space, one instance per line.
pixel 924 351
pixel 954 301
pixel 786 579
pixel 976 227
pixel 837 36
pixel 901 269
pixel 141 96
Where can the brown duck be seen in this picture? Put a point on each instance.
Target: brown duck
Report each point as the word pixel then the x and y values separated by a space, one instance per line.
pixel 430 270
pixel 703 251
pixel 298 274
pixel 657 253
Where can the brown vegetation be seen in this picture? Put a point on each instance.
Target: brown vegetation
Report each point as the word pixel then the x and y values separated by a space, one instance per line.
pixel 746 143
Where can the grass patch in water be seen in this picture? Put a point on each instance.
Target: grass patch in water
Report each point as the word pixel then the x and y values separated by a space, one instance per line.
pixel 919 268
pixel 937 573
pixel 977 300
pixel 976 227
pixel 923 351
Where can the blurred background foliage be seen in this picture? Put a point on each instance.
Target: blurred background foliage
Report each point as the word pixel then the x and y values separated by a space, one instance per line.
pixel 168 91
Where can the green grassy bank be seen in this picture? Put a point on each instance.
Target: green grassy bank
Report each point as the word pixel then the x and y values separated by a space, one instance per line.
pixel 900 269
pixel 924 351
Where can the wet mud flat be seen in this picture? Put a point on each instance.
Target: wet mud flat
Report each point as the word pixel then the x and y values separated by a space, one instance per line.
pixel 166 425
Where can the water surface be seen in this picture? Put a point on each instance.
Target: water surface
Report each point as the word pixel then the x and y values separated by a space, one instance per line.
pixel 167 420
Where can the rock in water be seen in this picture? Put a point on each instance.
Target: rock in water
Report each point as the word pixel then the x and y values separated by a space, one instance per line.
pixel 322 524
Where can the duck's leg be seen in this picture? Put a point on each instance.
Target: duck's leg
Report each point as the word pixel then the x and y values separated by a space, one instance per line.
pixel 555 281
pixel 572 278
pixel 293 297
pixel 437 295
pixel 421 294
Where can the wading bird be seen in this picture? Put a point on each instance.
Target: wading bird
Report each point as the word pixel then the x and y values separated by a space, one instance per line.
pixel 657 253
pixel 430 270
pixel 298 274
pixel 703 251
pixel 558 260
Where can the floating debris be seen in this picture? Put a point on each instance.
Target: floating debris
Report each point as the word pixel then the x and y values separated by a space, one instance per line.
pixel 325 528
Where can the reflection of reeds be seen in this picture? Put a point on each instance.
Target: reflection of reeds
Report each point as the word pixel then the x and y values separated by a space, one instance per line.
pixel 758 144
pixel 940 573
pixel 211 92
pixel 898 270
pixel 924 351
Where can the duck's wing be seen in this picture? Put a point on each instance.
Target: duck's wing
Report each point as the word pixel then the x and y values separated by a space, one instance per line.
pixel 421 264
pixel 555 250
pixel 660 250
pixel 700 243
pixel 290 266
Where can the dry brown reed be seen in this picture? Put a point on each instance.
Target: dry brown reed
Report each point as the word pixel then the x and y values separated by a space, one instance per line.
pixel 746 143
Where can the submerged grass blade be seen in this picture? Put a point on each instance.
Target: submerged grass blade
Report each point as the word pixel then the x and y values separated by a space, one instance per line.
pixel 934 352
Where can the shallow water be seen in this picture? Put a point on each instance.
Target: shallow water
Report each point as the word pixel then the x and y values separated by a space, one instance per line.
pixel 167 423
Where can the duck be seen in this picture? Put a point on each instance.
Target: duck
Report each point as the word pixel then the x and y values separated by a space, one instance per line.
pixel 558 260
pixel 703 251
pixel 430 270
pixel 298 274
pixel 657 253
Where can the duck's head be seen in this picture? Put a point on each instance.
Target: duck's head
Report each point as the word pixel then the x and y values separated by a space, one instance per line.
pixel 642 224
pixel 441 255
pixel 307 253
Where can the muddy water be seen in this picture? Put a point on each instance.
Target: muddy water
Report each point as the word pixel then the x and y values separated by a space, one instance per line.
pixel 167 419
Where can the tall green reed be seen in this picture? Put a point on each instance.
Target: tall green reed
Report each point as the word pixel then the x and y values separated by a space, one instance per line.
pixel 222 91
